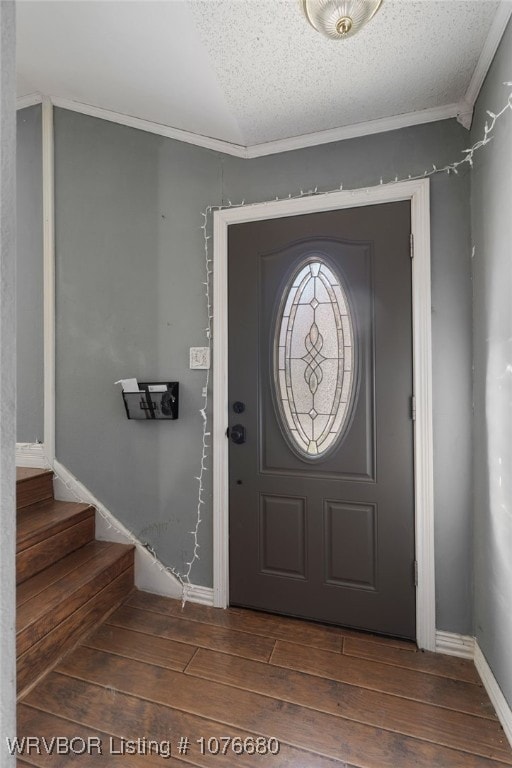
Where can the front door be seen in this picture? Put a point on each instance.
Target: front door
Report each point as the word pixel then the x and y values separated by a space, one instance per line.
pixel 321 435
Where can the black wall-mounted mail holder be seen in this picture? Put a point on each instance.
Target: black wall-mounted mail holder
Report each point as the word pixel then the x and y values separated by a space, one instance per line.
pixel 154 400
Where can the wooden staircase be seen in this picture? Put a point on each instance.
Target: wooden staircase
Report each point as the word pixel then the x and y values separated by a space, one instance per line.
pixel 67 581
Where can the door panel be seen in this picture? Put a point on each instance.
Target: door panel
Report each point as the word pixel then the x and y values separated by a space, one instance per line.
pixel 283 536
pixel 327 537
pixel 350 544
pixel 355 457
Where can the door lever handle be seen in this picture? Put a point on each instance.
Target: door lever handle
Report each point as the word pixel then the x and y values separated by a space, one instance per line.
pixel 237 434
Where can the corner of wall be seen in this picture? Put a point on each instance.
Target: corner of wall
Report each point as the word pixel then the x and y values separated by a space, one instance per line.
pixel 494 691
pixel 150 574
pixel 466 647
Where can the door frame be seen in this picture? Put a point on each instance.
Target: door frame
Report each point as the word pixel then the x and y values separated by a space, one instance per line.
pixel 418 192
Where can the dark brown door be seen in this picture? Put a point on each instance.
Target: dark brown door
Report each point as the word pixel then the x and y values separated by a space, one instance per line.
pixel 321 445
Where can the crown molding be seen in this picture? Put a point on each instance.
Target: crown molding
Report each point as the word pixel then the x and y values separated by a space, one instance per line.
pixel 159 129
pixel 380 125
pixel 465 114
pixel 489 49
pixel 462 111
pixel 29 100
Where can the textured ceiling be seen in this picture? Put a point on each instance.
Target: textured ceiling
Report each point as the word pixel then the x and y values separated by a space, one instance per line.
pixel 249 71
pixel 281 78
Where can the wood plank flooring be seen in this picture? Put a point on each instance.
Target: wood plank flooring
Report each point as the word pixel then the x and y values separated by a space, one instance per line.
pixel 330 698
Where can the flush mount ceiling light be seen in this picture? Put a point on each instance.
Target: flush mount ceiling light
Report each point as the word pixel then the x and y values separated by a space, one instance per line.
pixel 339 19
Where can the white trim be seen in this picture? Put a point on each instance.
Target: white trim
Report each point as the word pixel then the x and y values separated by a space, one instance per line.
pixel 194 593
pixel 31 455
pixel 220 413
pixel 150 574
pixel 452 644
pixel 489 49
pixel 28 101
pixel 381 125
pixel 418 192
pixel 465 114
pixel 423 429
pixel 494 692
pixel 367 128
pixel 49 279
pixel 150 127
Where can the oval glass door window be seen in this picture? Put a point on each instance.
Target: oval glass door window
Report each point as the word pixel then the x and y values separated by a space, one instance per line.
pixel 314 359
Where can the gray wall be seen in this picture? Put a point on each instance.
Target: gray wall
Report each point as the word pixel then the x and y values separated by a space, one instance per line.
pixel 29 287
pixel 130 302
pixel 491 198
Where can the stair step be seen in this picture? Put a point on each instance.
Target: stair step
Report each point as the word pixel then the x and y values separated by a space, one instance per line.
pixel 41 581
pixel 68 582
pixel 47 651
pixel 33 485
pixel 47 518
pixel 43 612
pixel 48 531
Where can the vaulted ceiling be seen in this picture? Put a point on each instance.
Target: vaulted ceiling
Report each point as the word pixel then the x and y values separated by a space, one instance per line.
pixel 253 72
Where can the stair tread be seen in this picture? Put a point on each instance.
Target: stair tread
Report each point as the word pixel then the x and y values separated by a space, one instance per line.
pixel 36 584
pixel 43 654
pixel 37 520
pixel 68 581
pixel 41 613
pixel 27 473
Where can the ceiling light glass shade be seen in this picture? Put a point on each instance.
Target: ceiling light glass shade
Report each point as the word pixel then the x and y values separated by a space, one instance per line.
pixel 339 19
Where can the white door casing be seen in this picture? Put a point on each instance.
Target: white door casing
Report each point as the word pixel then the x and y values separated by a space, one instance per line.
pixel 417 191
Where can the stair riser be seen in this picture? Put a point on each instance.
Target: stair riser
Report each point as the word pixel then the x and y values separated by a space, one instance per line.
pixel 38 557
pixel 33 632
pixel 42 656
pixel 33 490
pixel 65 567
pixel 74 589
pixel 41 521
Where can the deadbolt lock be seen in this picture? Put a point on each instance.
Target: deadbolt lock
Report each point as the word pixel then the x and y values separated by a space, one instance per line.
pixel 237 434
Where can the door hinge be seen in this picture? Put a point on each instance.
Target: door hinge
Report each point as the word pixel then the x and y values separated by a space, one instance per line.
pixel 415 572
pixel 413 408
pixel 411 241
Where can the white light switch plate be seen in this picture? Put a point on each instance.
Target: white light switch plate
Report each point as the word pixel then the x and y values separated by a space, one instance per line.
pixel 199 358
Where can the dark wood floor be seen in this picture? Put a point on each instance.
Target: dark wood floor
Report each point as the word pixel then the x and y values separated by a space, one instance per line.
pixel 329 697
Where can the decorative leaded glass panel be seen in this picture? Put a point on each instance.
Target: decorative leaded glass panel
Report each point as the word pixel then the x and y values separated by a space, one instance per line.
pixel 313 358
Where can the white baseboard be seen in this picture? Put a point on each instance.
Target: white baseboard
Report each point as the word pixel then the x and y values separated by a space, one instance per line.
pixel 453 644
pixel 31 455
pixel 150 574
pixel 467 647
pixel 494 692
pixel 197 594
